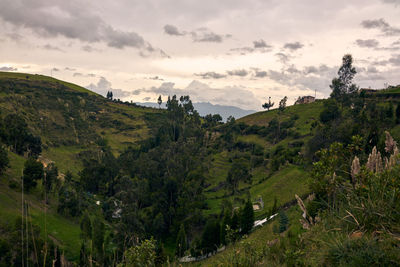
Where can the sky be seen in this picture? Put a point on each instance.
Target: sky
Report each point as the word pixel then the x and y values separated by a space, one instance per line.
pixel 226 52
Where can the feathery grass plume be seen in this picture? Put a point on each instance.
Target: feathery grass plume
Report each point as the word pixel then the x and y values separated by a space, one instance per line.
pixel 375 163
pixel 307 221
pixel 390 144
pixel 371 163
pixel 355 169
pixel 379 163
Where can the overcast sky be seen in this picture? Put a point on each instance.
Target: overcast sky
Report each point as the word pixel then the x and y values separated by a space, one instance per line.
pixel 227 52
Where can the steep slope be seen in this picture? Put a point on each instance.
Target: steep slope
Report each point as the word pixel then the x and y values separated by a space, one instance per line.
pixel 70 119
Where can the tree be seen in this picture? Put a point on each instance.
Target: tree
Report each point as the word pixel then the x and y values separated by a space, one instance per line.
pixel 282 104
pixel 268 105
pixel 98 238
pixel 210 237
pixel 283 221
pixel 86 227
pixel 398 114
pixel 181 244
pixel 238 172
pixel 4 161
pixel 140 255
pixel 33 171
pixel 159 101
pixel 50 177
pixel 247 218
pixel 343 85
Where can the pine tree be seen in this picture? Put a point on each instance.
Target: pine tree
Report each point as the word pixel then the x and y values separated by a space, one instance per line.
pixel 283 222
pixel 247 218
pixel 181 244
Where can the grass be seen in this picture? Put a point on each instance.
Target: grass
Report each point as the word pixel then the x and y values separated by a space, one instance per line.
pixel 65 158
pixel 307 114
pixel 37 77
pixel 282 185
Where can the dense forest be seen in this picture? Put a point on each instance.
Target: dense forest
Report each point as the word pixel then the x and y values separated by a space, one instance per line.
pixel 160 194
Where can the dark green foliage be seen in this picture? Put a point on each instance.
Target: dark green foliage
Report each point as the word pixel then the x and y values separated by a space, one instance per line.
pixel 50 177
pixel 33 171
pixel 210 238
pixel 181 242
pixel 98 238
pixel 235 220
pixel 268 105
pixel 361 252
pixel 15 133
pixel 4 161
pixel 398 114
pixel 69 200
pixel 343 86
pixel 239 172
pixel 99 176
pixel 330 112
pixel 86 227
pixel 247 218
pixel 226 221
pixel 283 221
pixel 282 104
pixel 10 246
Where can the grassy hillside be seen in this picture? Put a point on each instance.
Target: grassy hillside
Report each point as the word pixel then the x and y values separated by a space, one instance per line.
pixel 71 119
pixel 290 179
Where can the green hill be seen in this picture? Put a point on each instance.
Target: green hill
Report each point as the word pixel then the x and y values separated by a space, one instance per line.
pixel 71 121
pixel 135 173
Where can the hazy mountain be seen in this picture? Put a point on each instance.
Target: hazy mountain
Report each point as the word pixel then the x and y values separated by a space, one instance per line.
pixel 205 108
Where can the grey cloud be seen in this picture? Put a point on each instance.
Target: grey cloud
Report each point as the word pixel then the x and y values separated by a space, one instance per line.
pixel 69 69
pixel 172 30
pixel 78 74
pixel 52 48
pixel 5 68
pixel 241 73
pixel 15 36
pixel 55 69
pixel 74 23
pixel 156 78
pixel 395 60
pixel 260 74
pixel 396 2
pixel 258 46
pixel 283 58
pixel 198 35
pixel 88 48
pixel 205 35
pixel 210 75
pixel 293 46
pixel 292 69
pixel 370 43
pixel 147 98
pixel 136 92
pixel 261 44
pixel 103 86
pixel 382 25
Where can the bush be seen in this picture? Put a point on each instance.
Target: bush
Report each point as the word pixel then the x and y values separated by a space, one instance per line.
pixel 361 252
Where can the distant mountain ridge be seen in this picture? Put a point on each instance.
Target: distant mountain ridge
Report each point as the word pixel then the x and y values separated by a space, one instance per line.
pixel 205 108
